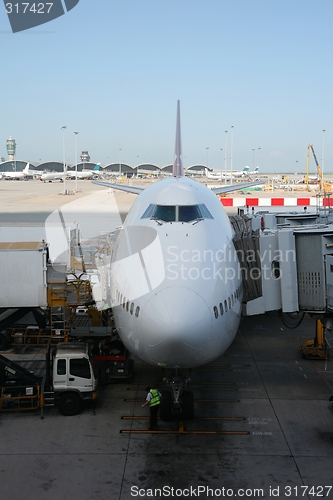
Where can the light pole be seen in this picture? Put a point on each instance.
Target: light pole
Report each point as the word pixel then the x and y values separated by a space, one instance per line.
pixel 253 150
pixel 221 149
pixel 322 163
pixel 225 154
pixel 207 158
pixel 75 152
pixel 259 158
pixel 231 150
pixel 63 127
pixel 120 162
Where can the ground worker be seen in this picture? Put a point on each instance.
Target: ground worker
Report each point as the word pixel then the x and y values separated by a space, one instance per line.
pixel 154 399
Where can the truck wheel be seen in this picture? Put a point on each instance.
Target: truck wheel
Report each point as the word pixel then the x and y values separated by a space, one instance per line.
pixel 69 404
pixel 3 342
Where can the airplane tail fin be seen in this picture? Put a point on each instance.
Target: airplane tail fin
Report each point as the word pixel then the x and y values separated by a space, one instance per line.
pixel 97 166
pixel 246 169
pixel 178 170
pixel 256 169
pixel 26 169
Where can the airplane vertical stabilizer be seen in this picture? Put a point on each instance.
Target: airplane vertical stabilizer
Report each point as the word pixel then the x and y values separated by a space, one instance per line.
pixel 178 170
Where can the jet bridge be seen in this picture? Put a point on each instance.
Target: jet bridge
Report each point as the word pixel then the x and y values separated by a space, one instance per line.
pixel 296 267
pixel 296 260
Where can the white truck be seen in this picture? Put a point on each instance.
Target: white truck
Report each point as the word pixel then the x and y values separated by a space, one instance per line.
pixel 68 379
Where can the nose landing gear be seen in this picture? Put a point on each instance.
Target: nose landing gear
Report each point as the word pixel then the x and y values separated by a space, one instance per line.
pixel 178 402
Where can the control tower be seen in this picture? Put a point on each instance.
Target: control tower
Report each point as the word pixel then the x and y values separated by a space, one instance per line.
pixel 11 148
pixel 85 156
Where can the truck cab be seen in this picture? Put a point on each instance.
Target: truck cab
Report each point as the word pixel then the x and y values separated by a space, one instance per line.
pixel 73 377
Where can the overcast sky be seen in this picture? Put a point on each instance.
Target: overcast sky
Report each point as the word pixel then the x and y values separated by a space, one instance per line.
pixel 113 70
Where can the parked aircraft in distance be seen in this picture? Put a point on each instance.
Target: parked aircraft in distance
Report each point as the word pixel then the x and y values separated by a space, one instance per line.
pixel 148 173
pixel 86 174
pixel 251 172
pixel 228 174
pixel 174 280
pixel 17 176
pixel 52 176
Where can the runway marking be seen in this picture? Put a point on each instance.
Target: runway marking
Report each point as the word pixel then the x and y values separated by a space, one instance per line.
pixel 217 400
pixel 136 400
pixel 193 386
pixel 184 432
pixel 143 417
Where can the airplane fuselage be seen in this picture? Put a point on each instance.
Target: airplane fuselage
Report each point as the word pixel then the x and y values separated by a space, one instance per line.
pixel 176 284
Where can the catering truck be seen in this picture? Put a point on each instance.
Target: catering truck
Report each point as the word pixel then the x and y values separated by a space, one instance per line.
pixel 65 379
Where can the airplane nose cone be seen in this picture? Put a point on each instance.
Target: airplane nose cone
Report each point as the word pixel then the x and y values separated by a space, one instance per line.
pixel 177 324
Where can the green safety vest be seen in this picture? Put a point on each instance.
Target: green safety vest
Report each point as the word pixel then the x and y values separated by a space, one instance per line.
pixel 155 397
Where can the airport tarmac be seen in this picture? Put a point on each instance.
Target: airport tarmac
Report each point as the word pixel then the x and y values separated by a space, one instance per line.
pixel 263 428
pixel 19 198
pixel 263 425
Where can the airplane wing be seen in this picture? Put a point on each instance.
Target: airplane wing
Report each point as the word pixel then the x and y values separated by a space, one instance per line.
pixel 236 187
pixel 218 190
pixel 128 189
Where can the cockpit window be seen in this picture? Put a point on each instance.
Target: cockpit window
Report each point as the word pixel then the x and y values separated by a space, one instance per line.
pixel 148 212
pixel 166 213
pixel 177 213
pixel 205 212
pixel 188 213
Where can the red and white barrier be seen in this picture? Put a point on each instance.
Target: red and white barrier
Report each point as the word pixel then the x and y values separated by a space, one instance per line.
pixel 275 202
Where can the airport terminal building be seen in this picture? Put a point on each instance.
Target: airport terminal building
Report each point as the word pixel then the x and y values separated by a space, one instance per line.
pixel 111 169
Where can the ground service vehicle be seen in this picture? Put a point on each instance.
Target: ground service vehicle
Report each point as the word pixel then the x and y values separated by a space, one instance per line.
pixel 68 379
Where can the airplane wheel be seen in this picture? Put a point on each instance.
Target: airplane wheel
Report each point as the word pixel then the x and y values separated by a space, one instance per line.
pixel 166 406
pixel 187 405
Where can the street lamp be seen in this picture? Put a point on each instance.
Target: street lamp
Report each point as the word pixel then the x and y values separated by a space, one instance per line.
pixel 75 153
pixel 322 163
pixel 259 160
pixel 253 150
pixel 221 149
pixel 207 157
pixel 120 161
pixel 63 127
pixel 231 151
pixel 225 154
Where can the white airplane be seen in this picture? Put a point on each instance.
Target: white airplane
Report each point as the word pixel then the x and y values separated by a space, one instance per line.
pixel 227 175
pixel 18 176
pixel 174 280
pixel 52 176
pixel 86 174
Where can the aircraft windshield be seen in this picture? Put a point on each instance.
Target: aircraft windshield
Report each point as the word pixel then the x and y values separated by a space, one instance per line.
pixel 166 213
pixel 188 213
pixel 177 213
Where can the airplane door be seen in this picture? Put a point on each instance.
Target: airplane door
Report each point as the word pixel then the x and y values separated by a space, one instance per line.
pixel 79 373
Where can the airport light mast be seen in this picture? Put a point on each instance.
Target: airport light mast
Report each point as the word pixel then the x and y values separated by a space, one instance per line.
pixel 63 127
pixel 75 161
